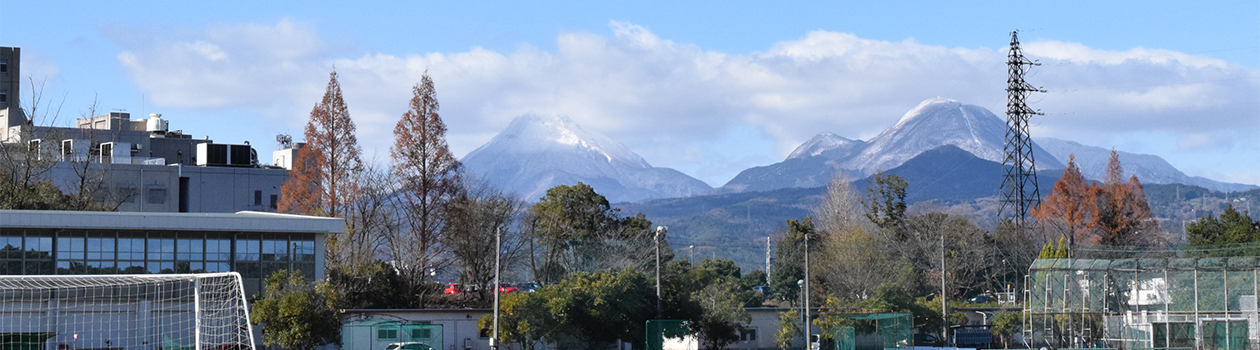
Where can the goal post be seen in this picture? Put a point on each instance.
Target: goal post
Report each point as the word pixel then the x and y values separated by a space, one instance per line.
pixel 205 311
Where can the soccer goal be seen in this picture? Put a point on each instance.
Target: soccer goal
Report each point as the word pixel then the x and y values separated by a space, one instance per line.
pixel 124 312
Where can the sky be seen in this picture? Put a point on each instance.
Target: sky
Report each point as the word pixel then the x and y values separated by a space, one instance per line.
pixel 706 87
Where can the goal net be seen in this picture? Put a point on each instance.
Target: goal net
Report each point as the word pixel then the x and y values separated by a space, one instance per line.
pixel 124 312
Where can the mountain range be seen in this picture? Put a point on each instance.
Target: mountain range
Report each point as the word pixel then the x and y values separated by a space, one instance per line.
pixel 536 153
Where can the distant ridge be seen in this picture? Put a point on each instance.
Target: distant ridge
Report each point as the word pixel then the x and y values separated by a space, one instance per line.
pixel 1150 169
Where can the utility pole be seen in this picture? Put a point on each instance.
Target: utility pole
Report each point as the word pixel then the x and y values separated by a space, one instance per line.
pixel 944 314
pixel 498 247
pixel 768 261
pixel 808 324
pixel 1019 181
pixel 660 231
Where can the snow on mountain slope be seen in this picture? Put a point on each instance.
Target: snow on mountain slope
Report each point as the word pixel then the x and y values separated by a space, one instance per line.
pixel 1149 168
pixel 536 153
pixel 937 122
pixel 812 164
pixel 825 142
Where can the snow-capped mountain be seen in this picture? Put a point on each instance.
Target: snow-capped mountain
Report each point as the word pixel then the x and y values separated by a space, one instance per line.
pixel 826 144
pixel 536 153
pixel 1149 168
pixel 938 122
pixel 812 164
pixel 933 123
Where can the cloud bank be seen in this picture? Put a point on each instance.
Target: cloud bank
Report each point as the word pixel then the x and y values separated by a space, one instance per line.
pixel 680 105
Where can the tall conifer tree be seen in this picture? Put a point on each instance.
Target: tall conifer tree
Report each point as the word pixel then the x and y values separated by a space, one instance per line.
pixel 429 179
pixel 322 181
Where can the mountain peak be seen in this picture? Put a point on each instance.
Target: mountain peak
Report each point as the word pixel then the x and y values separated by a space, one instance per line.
pixel 926 107
pixel 937 122
pixel 531 132
pixel 820 143
pixel 536 153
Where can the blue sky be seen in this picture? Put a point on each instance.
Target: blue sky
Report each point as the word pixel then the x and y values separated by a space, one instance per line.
pixel 709 88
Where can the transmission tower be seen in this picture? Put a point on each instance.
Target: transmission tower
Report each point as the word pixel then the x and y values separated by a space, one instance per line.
pixel 1019 183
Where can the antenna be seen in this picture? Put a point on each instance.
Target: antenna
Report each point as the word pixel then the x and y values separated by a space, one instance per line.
pixel 1019 181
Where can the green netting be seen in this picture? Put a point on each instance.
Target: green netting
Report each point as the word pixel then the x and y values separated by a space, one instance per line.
pixel 843 338
pixel 1144 303
pixel 894 330
pixel 658 331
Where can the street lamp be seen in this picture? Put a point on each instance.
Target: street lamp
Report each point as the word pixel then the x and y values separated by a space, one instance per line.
pixel 800 284
pixel 660 231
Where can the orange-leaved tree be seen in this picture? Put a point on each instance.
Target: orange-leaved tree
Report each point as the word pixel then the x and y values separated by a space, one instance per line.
pixel 1069 209
pixel 1123 216
pixel 322 181
pixel 429 177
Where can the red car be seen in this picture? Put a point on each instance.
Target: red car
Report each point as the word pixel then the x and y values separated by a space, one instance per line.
pixel 453 288
pixel 506 288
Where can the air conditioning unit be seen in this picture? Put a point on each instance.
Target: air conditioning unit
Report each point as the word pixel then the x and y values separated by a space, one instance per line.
pixel 216 154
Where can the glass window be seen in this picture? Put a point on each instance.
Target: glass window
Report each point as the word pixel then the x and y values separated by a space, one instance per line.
pixel 11 247
pixel 161 267
pixel 156 195
pixel 421 333
pixel 132 267
pixel 39 247
pixel 257 197
pixel 275 250
pixel 218 249
pixel 100 248
pixel 101 267
pixel 161 249
pixel 247 250
pixel 303 251
pixel 387 334
pixel 131 249
pixel 70 246
pixel 128 193
pixel 190 249
pixel 217 267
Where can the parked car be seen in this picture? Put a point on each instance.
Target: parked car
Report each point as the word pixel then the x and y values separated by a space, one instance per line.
pixel 453 288
pixel 926 339
pixel 506 288
pixel 408 346
pixel 981 299
pixel 529 287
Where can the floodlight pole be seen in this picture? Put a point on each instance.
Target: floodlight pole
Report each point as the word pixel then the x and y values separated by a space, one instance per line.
pixel 660 231
pixel 494 335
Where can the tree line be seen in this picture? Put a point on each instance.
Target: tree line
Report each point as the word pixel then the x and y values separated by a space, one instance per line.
pixel 423 214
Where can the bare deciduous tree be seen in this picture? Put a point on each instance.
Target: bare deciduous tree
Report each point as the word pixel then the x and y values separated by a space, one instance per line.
pixel 473 220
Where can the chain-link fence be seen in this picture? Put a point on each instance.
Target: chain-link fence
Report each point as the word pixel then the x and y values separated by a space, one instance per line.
pixel 1201 303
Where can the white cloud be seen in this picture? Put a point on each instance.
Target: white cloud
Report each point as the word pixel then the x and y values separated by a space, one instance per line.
pixel 673 102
